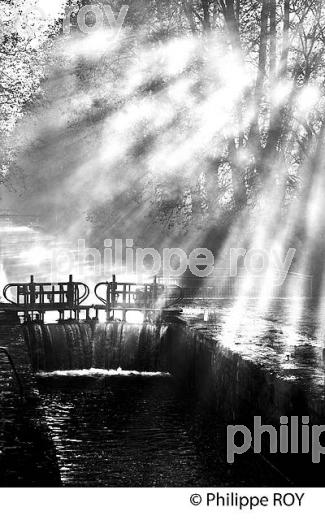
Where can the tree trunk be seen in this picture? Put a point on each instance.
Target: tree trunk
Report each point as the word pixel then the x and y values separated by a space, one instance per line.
pixel 262 56
pixel 237 178
pixel 230 11
pixel 206 15
pixel 188 10
pixel 285 40
pixel 254 133
pixel 273 35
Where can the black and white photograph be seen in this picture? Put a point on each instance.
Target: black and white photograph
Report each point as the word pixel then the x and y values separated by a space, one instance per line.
pixel 162 252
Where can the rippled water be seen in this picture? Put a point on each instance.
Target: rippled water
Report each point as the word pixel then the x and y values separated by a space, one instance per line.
pixel 290 345
pixel 139 431
pixel 27 456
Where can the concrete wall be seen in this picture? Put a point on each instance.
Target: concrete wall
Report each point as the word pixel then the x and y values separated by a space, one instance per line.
pixel 237 388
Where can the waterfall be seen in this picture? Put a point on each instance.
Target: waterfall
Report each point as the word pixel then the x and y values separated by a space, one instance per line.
pixel 77 346
pixel 64 346
pixel 192 358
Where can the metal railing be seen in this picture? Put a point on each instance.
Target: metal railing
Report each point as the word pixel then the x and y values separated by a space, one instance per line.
pixel 126 296
pixel 65 294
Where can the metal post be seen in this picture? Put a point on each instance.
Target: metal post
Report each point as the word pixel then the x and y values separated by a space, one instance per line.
pixel 32 291
pixel 70 292
pixel 114 287
pixel 124 303
pixel 108 301
pixel 154 293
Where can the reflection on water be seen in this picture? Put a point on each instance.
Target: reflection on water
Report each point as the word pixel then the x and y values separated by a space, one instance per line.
pixel 139 431
pixel 292 351
pixel 27 456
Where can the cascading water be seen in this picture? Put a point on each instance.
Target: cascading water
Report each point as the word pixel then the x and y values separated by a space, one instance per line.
pixel 116 345
pixel 65 346
pixel 77 346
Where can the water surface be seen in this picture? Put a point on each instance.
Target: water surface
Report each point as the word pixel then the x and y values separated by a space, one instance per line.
pixel 139 431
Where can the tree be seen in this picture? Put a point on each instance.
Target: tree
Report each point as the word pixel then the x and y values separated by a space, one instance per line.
pixel 27 27
pixel 228 91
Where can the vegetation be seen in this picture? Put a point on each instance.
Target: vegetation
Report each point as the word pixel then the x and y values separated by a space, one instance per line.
pixel 174 145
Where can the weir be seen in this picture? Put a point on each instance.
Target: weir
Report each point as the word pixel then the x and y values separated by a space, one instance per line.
pixel 81 346
pixel 221 380
pixel 233 384
pixel 239 387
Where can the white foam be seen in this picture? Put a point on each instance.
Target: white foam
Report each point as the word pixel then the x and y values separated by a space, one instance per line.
pixel 101 372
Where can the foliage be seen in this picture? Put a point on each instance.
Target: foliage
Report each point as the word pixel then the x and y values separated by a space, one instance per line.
pixel 275 123
pixel 25 44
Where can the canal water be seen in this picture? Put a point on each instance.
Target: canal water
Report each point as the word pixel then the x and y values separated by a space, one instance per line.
pixel 113 428
pixel 135 430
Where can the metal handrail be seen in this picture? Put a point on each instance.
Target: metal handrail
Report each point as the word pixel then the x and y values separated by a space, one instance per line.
pixel 6 288
pixel 86 293
pixel 29 294
pixel 152 293
pixel 12 364
pixel 102 284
